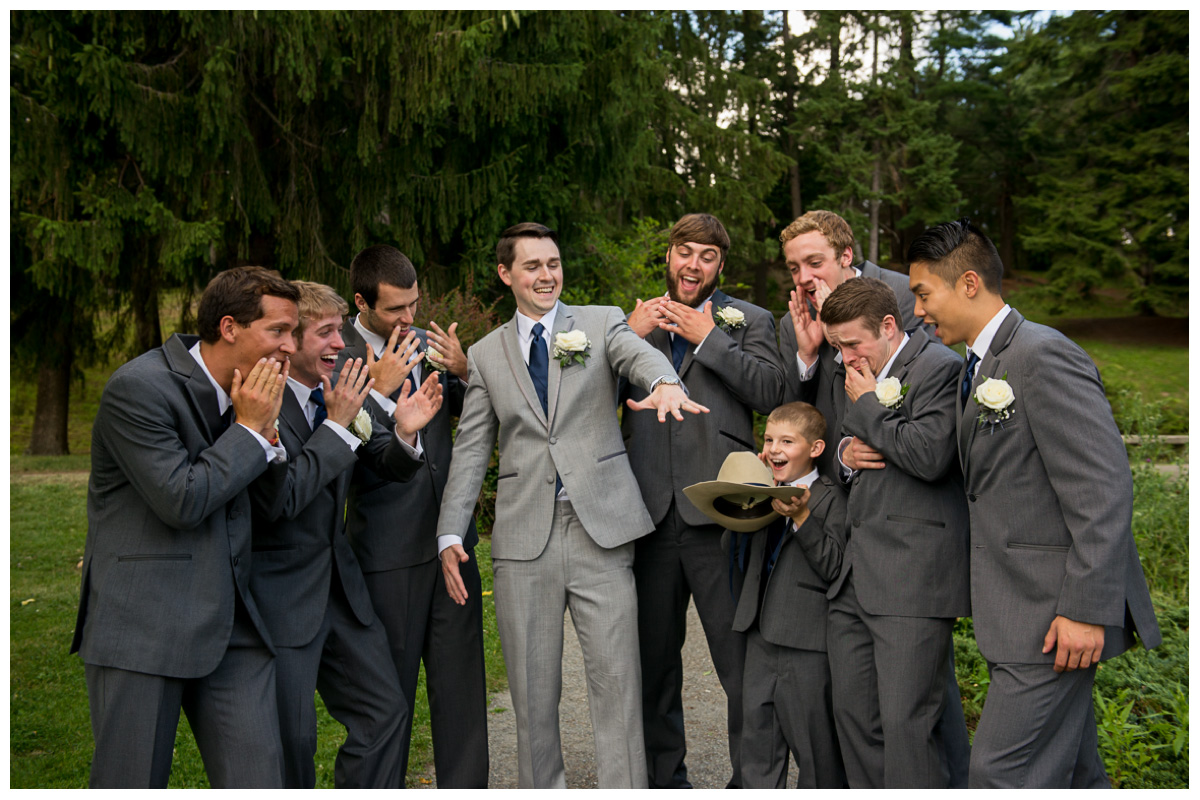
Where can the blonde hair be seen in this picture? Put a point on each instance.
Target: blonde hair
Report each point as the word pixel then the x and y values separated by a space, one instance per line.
pixel 835 230
pixel 317 301
pixel 803 417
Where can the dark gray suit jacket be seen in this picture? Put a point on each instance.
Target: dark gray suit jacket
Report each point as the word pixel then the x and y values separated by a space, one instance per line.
pixel 1051 503
pixel 734 374
pixel 299 525
pixel 819 389
pixel 168 541
pixel 909 529
pixel 373 499
pixel 794 609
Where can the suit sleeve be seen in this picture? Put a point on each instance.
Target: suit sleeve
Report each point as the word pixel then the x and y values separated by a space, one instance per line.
pixel 321 460
pixel 751 372
pixel 631 356
pixel 919 438
pixel 383 453
pixel 823 537
pixel 477 429
pixel 1088 468
pixel 139 426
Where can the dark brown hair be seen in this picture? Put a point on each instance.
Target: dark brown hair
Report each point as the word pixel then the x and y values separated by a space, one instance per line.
pixel 507 246
pixel 701 229
pixel 380 263
pixel 868 299
pixel 238 293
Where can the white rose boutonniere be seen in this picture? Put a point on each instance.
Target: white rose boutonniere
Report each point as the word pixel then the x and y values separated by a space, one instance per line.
pixel 361 426
pixel 729 318
pixel 995 397
pixel 433 360
pixel 890 393
pixel 571 346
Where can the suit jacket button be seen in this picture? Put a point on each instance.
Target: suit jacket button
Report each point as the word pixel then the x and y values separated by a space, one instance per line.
pixel 971 497
pixel 553 440
pixel 233 514
pixel 235 560
pixel 550 480
pixel 433 467
pixel 857 523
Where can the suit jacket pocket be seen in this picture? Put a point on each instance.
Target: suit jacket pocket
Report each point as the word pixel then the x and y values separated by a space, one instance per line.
pixel 156 557
pixel 272 548
pixel 602 459
pixel 507 475
pixel 739 441
pixel 916 520
pixel 1052 548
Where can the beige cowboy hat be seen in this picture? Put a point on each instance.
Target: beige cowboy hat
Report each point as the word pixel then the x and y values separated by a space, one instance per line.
pixel 740 497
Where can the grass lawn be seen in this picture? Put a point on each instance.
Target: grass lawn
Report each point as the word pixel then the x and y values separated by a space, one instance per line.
pixel 51 739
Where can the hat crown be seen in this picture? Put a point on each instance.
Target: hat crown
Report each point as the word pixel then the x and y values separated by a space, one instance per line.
pixel 745 468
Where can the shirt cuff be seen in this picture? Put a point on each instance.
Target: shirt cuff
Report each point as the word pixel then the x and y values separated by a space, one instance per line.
pixel 274 452
pixel 387 404
pixel 347 437
pixel 447 540
pixel 847 473
pixel 415 452
pixel 696 349
pixel 662 378
pixel 806 371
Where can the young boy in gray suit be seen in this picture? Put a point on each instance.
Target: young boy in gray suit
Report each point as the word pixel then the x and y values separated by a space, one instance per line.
pixel 786 566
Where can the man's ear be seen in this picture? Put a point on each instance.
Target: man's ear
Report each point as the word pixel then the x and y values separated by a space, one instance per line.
pixel 504 274
pixel 847 258
pixel 972 283
pixel 889 326
pixel 228 328
pixel 360 303
pixel 818 447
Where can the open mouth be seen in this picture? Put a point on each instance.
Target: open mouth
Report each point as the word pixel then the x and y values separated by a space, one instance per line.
pixel 543 290
pixel 778 463
pixel 329 360
pixel 688 283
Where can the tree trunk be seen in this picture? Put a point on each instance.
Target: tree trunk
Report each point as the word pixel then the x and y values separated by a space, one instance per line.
pixel 49 437
pixel 144 299
pixel 789 104
pixel 873 254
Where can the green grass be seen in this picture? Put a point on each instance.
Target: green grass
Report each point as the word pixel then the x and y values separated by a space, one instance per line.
pixel 49 723
pixel 1158 374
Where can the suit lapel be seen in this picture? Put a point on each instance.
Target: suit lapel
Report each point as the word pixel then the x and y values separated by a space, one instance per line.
pixel 200 391
pixel 511 343
pixel 564 320
pixel 918 340
pixel 989 367
pixel 292 415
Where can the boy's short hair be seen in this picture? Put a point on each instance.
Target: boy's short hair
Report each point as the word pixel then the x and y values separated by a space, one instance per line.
pixel 835 229
pixel 317 301
pixel 804 417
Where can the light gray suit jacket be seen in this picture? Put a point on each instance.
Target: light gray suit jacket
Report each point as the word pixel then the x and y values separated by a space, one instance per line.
pixel 1051 503
pixel 735 373
pixel 300 528
pixel 168 541
pixel 578 438
pixel 793 609
pixel 909 529
pixel 819 390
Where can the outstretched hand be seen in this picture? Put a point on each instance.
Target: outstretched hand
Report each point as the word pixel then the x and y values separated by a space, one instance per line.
pixel 807 325
pixel 667 398
pixel 391 369
pixel 414 410
pixel 449 348
pixel 345 400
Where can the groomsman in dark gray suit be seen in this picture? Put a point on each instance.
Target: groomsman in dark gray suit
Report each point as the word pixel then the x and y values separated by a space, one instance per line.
pixel 1056 583
pixel 166 617
pixel 393 527
pixel 724 351
pixel 819 250
pixel 904 573
pixel 305 577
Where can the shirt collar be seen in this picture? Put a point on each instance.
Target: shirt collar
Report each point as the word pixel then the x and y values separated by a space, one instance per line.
pixel 805 481
pixel 888 366
pixel 301 391
pixel 525 324
pixel 984 340
pixel 223 401
pixel 372 338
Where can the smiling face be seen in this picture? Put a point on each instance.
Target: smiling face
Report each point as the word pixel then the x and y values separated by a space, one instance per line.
pixel 789 455
pixel 693 270
pixel 941 305
pixel 535 276
pixel 862 348
pixel 393 307
pixel 810 258
pixel 269 336
pixel 317 352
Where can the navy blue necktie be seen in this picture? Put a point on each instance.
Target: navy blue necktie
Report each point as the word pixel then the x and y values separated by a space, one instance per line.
pixel 539 365
pixel 969 378
pixel 678 351
pixel 320 415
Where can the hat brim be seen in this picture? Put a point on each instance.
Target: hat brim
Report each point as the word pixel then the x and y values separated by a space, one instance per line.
pixel 740 507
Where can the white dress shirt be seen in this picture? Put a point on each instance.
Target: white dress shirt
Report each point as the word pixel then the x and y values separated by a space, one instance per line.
pixel 273 452
pixel 984 340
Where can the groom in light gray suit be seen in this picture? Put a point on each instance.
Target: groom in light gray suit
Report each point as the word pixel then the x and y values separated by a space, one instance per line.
pixel 567 505
pixel 1056 584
